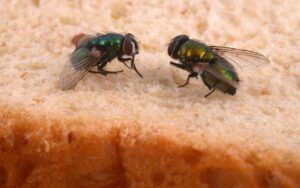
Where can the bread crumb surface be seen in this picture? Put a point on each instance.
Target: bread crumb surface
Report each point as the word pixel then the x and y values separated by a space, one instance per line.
pixel 267 99
pixel 35 45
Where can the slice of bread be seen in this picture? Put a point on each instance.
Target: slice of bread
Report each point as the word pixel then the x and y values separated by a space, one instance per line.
pixel 122 131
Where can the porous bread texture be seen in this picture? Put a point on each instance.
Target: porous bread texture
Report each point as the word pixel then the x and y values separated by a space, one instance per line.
pixel 122 131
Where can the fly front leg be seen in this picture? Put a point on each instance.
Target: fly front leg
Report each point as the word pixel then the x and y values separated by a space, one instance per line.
pixel 181 66
pixel 123 60
pixel 192 75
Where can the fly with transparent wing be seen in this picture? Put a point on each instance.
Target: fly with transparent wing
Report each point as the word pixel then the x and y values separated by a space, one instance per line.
pixel 213 63
pixel 97 51
pixel 82 61
pixel 242 58
pixel 223 69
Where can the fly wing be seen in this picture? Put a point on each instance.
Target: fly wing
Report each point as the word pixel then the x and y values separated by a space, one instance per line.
pixel 82 60
pixel 218 75
pixel 221 69
pixel 81 39
pixel 243 58
pixel 70 77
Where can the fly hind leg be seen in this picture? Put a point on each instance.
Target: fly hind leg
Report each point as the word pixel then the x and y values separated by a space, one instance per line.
pixel 210 92
pixel 105 72
pixel 212 89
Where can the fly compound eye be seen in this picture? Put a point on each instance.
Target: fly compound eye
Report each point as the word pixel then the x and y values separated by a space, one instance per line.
pixel 128 46
pixel 175 44
pixel 171 48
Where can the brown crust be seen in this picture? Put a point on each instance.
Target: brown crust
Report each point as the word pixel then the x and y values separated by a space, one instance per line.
pixel 41 151
pixel 36 152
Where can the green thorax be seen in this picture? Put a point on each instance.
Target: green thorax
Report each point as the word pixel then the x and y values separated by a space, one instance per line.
pixel 195 51
pixel 111 43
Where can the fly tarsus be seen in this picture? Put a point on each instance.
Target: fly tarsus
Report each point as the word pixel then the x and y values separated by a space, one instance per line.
pixel 210 92
pixel 192 75
pixel 105 72
pixel 212 89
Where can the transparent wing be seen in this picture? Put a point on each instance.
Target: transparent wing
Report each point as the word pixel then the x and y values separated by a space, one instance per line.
pixel 222 69
pixel 82 39
pixel 242 58
pixel 220 76
pixel 81 63
pixel 70 77
pixel 80 57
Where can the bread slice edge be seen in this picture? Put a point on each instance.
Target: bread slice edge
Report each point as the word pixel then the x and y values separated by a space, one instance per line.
pixel 46 150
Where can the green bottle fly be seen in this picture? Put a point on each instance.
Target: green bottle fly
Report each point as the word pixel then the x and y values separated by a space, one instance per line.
pixel 213 63
pixel 96 51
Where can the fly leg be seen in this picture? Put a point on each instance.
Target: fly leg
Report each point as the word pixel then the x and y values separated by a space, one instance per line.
pixel 123 60
pixel 212 90
pixel 104 72
pixel 192 75
pixel 186 68
pixel 181 66
pixel 132 66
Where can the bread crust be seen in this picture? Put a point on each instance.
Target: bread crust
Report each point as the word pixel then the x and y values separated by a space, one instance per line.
pixel 49 152
pixel 41 150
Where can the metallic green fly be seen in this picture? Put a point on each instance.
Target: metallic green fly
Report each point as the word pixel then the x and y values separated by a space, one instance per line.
pixel 96 51
pixel 213 63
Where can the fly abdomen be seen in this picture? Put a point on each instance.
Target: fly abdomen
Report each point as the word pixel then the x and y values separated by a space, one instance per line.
pixel 213 82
